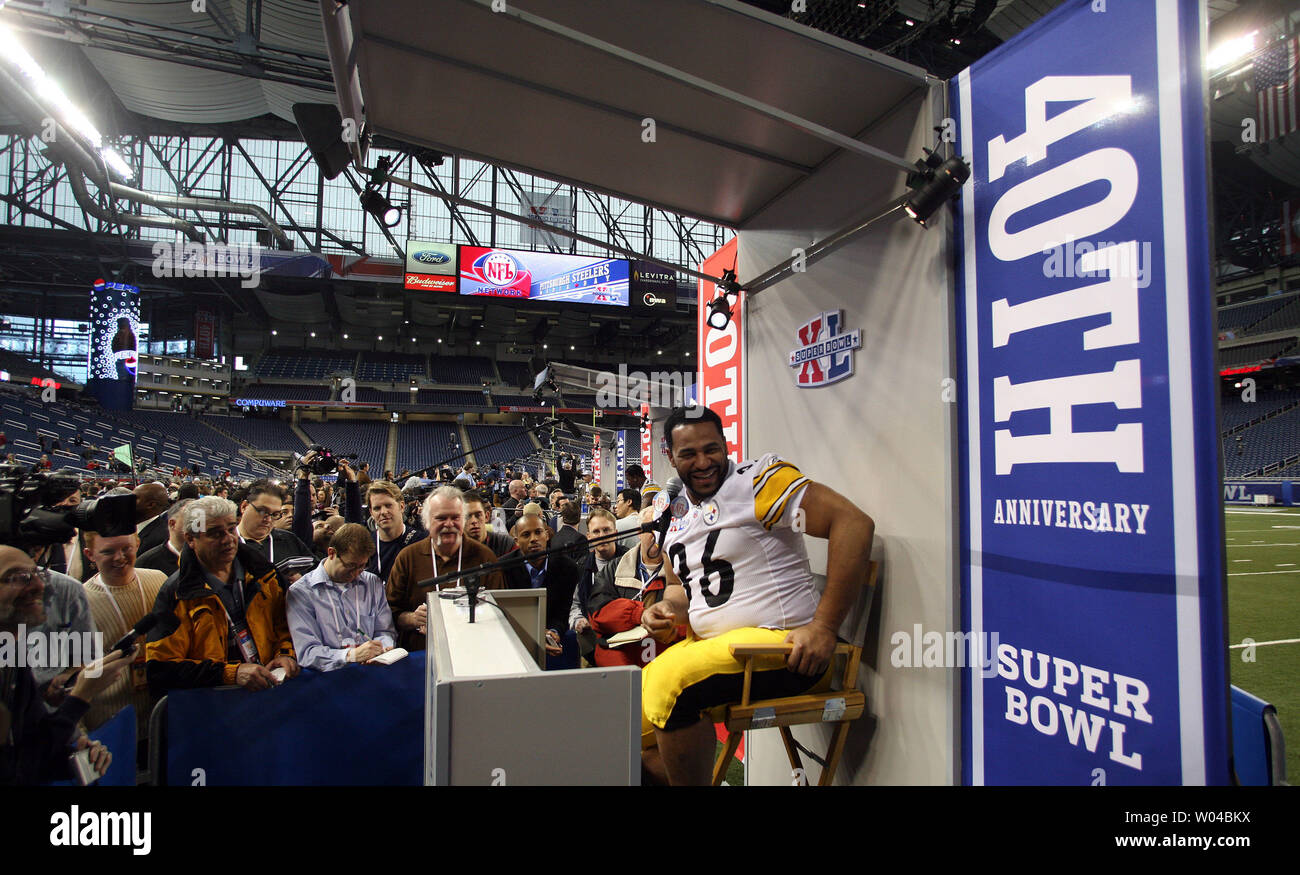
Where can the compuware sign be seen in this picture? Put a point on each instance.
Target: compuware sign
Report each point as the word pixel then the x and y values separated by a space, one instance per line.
pixel 1092 575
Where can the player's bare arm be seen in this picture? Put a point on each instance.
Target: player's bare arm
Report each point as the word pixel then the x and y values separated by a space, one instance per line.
pixel 827 514
pixel 663 617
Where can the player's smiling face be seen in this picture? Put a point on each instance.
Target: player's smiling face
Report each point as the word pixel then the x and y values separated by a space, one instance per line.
pixel 700 457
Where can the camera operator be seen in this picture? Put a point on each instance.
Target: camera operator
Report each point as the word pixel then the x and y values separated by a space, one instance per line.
pixel 35 743
pixel 567 474
pixel 318 533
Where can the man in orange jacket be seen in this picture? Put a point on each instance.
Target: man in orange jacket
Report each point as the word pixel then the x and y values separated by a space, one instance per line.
pixel 222 617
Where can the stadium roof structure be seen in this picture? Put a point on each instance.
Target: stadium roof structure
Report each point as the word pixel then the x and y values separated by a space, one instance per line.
pixel 575 91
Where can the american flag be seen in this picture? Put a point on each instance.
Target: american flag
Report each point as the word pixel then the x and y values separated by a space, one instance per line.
pixel 1275 88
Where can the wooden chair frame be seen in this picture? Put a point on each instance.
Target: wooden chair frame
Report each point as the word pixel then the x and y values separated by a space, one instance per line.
pixel 840 705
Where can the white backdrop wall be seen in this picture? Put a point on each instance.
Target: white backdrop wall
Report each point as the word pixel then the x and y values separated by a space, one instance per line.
pixel 883 437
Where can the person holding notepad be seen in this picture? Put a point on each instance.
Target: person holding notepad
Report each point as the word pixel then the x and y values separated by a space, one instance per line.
pixel 338 612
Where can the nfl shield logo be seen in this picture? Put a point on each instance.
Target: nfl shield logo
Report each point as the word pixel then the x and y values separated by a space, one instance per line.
pixel 825 355
pixel 500 269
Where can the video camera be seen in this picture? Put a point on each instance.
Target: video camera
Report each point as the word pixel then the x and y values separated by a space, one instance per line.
pixel 27 518
pixel 323 462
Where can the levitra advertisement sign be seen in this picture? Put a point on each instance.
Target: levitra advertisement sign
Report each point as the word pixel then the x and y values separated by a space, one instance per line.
pixel 1091 514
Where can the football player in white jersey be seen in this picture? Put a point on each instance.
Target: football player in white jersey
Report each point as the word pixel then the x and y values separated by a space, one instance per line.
pixel 738 572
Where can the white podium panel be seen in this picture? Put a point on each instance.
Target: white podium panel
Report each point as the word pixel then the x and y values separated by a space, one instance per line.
pixel 493 717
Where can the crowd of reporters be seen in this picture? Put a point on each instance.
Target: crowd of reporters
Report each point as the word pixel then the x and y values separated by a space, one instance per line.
pixel 248 583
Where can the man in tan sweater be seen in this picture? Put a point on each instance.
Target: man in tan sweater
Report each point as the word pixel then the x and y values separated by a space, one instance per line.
pixel 119 595
pixel 445 549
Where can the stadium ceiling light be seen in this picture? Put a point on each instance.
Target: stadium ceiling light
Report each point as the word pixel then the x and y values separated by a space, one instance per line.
pixel 345 337
pixel 440 340
pixel 380 207
pixel 274 332
pixel 1230 50
pixel 380 337
pixel 313 334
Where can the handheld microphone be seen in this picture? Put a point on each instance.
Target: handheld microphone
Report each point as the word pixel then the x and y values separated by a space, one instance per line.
pixel 672 489
pixel 127 642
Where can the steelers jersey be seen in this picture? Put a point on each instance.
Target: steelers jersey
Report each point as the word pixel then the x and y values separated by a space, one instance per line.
pixel 736 554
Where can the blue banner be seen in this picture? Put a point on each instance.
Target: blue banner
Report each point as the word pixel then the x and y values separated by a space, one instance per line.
pixel 1244 491
pixel 1092 570
pixel 359 725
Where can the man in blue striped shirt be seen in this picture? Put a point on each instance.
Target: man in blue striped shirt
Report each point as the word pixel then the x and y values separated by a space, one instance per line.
pixel 338 612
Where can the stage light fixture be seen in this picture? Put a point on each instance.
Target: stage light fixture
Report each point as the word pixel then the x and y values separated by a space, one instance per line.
pixel 720 308
pixel 380 207
pixel 933 182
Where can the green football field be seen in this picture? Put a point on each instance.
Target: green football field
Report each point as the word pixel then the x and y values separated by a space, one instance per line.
pixel 1263 553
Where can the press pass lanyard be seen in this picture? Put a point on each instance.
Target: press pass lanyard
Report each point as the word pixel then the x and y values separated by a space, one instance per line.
pixel 112 600
pixel 338 628
pixel 459 553
pixel 244 638
pixel 379 557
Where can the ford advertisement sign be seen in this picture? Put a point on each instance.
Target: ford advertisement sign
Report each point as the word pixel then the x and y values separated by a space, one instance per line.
pixel 430 266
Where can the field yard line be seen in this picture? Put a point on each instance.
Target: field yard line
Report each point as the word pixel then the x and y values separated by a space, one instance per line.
pixel 1253 531
pixel 1244 573
pixel 1247 546
pixel 1291 512
pixel 1264 643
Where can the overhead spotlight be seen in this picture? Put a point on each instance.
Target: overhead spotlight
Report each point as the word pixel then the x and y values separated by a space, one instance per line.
pixel 274 332
pixel 380 207
pixel 933 182
pixel 720 307
pixel 313 334
pixel 345 337
pixel 380 337
pixel 440 340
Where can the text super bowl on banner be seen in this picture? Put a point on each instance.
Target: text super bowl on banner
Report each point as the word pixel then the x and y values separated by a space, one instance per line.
pixel 1092 580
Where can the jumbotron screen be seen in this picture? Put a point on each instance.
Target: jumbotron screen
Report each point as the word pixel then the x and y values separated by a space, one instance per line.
pixel 543 276
pixel 114 323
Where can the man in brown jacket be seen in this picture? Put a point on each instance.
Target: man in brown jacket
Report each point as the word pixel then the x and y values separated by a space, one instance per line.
pixel 445 549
